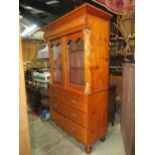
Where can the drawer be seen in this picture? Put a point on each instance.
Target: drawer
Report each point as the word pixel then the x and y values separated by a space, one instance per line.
pixel 70 127
pixel 70 112
pixel 75 102
pixel 56 95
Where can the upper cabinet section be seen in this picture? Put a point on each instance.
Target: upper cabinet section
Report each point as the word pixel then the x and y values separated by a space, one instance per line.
pixel 75 52
pixel 74 21
pixel 57 66
pixel 79 44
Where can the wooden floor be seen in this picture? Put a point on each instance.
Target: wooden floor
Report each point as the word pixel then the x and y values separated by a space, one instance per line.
pixel 47 139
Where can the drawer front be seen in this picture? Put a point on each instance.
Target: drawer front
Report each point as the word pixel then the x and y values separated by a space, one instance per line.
pixel 70 112
pixel 56 95
pixel 78 101
pixel 70 127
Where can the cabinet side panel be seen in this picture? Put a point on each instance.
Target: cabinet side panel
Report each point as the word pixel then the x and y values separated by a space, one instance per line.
pixel 99 67
pixel 97 117
pixel 99 53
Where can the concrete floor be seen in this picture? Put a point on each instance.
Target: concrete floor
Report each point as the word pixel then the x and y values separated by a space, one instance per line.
pixel 48 139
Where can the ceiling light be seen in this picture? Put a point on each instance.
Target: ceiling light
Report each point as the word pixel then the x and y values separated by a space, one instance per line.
pixel 52 2
pixel 29 30
pixel 20 17
pixel 34 31
pixel 28 7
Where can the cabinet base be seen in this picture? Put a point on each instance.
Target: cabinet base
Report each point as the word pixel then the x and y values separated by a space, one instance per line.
pixel 102 139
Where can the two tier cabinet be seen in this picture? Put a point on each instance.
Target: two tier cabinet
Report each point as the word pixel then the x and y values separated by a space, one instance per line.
pixel 78 46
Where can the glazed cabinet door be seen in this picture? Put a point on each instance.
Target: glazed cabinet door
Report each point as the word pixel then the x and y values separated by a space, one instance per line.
pixel 56 58
pixel 75 62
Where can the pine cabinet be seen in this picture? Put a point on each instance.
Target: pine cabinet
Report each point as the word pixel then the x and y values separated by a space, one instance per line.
pixel 79 59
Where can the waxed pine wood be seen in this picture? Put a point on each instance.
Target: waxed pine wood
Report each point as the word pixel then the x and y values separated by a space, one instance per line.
pixel 81 109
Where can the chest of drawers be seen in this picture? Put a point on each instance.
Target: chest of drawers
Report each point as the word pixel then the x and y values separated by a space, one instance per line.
pixel 78 48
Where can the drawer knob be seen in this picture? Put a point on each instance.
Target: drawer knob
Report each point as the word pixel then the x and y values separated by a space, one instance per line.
pixel 73 102
pixel 55 105
pixel 73 129
pixel 55 94
pixel 74 115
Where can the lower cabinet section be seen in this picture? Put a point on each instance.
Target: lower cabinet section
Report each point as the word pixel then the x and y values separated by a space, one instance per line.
pixel 81 116
pixel 70 127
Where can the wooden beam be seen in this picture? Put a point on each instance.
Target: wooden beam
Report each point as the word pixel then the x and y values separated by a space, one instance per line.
pixel 24 136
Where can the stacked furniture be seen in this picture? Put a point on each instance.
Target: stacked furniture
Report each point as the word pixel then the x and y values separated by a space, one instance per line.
pixel 45 101
pixel 33 96
pixel 79 62
pixel 37 83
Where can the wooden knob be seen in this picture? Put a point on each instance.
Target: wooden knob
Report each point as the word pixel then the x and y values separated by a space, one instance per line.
pixel 73 102
pixel 55 105
pixel 55 94
pixel 74 115
pixel 73 129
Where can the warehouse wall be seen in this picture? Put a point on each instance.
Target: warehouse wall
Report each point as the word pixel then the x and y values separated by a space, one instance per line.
pixel 29 50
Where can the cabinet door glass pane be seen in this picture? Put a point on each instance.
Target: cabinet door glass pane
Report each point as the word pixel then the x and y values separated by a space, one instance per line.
pixel 57 62
pixel 76 61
